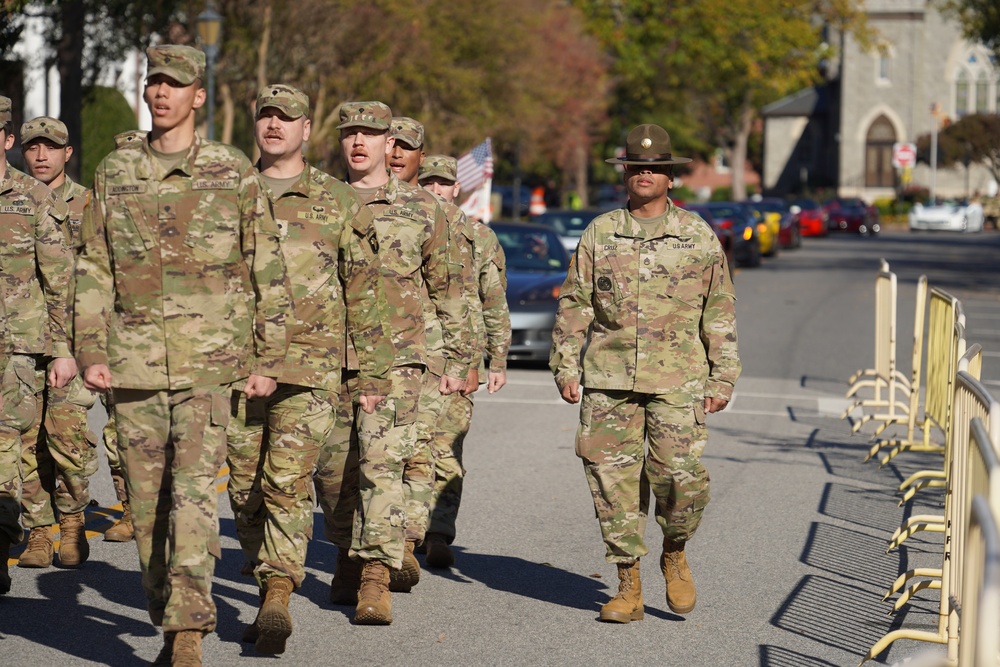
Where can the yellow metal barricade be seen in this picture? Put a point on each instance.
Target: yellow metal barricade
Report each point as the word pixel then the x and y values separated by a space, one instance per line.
pixel 980 617
pixel 887 383
pixel 912 417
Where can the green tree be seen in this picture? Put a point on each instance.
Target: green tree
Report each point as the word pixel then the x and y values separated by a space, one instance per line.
pixel 980 20
pixel 973 138
pixel 105 113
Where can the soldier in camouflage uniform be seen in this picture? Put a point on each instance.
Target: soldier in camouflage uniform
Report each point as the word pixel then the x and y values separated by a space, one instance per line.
pixel 58 467
pixel 35 269
pixel 180 293
pixel 418 474
pixel 652 283
pixel 416 267
pixel 331 255
pixel 491 326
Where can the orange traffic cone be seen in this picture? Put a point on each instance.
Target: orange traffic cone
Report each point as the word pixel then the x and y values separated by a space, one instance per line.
pixel 537 204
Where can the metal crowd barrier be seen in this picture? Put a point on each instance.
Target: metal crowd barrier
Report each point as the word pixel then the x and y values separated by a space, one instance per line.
pixel 885 379
pixel 980 614
pixel 973 470
pixel 912 420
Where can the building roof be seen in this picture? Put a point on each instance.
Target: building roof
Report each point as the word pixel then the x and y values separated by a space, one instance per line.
pixel 813 101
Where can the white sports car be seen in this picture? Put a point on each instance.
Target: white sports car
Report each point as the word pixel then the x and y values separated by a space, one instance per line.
pixel 951 215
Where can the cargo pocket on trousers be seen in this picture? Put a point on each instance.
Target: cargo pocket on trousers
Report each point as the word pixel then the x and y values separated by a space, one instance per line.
pixel 583 430
pixel 406 408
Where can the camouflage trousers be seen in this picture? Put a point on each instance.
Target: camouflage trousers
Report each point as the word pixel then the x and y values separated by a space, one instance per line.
pixel 58 465
pixel 22 386
pixel 387 438
pixel 244 455
pixel 621 471
pixel 173 443
pixel 418 471
pixel 336 477
pixel 111 448
pixel 447 443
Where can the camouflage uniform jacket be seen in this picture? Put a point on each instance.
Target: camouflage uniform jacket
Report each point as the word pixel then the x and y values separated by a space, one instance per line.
pixel 417 265
pixel 35 266
pixel 180 279
pixel 661 304
pixel 491 315
pixel 460 254
pixel 76 197
pixel 330 254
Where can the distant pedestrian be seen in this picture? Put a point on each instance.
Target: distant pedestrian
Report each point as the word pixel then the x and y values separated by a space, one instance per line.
pixel 651 284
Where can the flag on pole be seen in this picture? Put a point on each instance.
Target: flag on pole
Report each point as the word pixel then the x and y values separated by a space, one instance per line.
pixel 477 204
pixel 476 166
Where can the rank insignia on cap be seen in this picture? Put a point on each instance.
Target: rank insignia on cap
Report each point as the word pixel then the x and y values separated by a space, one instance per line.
pixel 604 284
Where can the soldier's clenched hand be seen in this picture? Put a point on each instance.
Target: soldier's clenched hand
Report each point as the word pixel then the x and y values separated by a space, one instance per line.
pixel 62 371
pixel 369 403
pixel 571 392
pixel 259 386
pixel 97 377
pixel 449 385
pixel 713 404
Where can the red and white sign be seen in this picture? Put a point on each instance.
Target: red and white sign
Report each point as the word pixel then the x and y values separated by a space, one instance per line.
pixel 904 155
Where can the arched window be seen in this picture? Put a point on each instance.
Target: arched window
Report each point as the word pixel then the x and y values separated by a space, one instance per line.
pixel 982 94
pixel 962 93
pixel 879 172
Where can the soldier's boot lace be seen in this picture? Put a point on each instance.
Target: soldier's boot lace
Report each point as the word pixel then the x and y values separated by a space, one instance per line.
pixel 681 595
pixel 439 554
pixel 165 656
pixel 404 579
pixel 74 549
pixel 627 605
pixel 38 553
pixel 187 649
pixel 4 557
pixel 346 579
pixel 274 622
pixel 122 530
pixel 374 599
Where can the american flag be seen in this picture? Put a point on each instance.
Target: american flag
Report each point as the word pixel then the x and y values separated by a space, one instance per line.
pixel 475 166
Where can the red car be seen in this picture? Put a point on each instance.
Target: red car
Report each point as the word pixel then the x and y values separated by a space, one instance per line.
pixel 852 214
pixel 812 218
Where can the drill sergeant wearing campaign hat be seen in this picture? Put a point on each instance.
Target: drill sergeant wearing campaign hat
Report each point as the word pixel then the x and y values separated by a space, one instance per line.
pixel 335 283
pixel 56 470
pixel 412 233
pixel 180 294
pixel 36 266
pixel 650 287
pixel 491 326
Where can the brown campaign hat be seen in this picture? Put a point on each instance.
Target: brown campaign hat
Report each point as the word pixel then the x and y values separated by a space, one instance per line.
pixel 5 114
pixel 288 99
pixel 183 64
pixel 648 144
pixel 408 131
pixel 44 127
pixel 375 115
pixel 441 166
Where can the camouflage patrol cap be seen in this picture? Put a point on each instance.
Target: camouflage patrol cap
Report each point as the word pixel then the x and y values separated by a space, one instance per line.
pixel 408 131
pixel 183 64
pixel 44 127
pixel 440 166
pixel 5 114
pixel 287 99
pixel 375 115
pixel 648 144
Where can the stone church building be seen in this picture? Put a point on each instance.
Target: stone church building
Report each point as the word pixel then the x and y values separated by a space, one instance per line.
pixel 838 136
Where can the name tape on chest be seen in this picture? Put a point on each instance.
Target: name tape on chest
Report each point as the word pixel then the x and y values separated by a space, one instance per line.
pixel 127 189
pixel 317 214
pixel 214 184
pixel 17 208
pixel 396 211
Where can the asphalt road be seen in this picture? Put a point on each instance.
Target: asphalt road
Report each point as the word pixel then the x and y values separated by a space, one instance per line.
pixel 789 561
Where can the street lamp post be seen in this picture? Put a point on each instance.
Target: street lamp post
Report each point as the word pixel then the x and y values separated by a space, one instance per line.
pixel 209 31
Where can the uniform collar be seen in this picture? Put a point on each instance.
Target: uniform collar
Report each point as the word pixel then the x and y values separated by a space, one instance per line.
pixel 670 225
pixel 186 165
pixel 299 187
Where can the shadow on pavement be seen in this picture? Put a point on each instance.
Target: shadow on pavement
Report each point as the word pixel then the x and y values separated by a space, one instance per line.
pixel 776 656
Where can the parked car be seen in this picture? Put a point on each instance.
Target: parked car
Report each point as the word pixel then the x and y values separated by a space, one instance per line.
pixel 812 217
pixel 726 236
pixel 852 214
pixel 948 215
pixel 536 269
pixel 738 218
pixel 766 230
pixel 779 212
pixel 568 224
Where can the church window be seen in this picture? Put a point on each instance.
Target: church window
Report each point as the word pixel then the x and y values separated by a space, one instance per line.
pixel 982 94
pixel 962 93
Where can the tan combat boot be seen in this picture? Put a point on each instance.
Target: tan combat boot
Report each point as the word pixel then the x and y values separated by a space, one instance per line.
pixel 680 583
pixel 74 549
pixel 122 530
pixel 252 632
pixel 274 623
pixel 187 649
pixel 165 656
pixel 4 557
pixel 627 604
pixel 346 579
pixel 374 598
pixel 38 553
pixel 439 554
pixel 401 581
